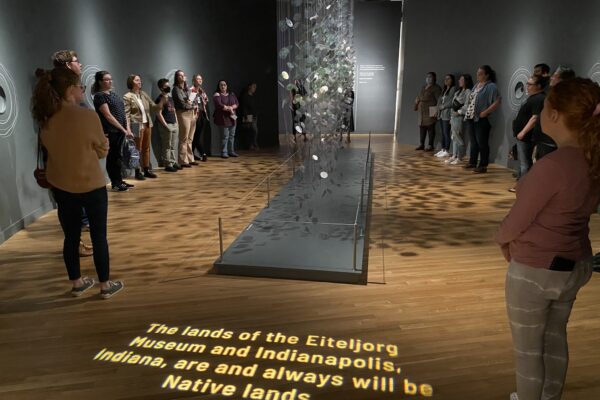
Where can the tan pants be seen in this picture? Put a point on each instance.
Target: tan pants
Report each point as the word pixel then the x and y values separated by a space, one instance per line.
pixel 539 303
pixel 187 127
pixel 142 142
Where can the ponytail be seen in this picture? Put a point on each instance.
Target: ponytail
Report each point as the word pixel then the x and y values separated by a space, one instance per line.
pixel 46 101
pixel 579 100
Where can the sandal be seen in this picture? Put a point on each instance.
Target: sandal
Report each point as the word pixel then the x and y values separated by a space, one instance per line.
pixel 87 284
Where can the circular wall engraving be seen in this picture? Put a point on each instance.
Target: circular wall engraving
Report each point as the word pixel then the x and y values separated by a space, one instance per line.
pixel 87 79
pixel 9 108
pixel 594 73
pixel 516 88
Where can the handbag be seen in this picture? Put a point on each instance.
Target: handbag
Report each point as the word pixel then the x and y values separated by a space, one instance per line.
pixel 456 105
pixel 40 171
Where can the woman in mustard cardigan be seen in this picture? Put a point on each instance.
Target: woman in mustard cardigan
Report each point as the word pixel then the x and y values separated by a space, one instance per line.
pixel 75 142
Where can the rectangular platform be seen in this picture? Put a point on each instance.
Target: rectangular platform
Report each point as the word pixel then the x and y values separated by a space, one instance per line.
pixel 308 230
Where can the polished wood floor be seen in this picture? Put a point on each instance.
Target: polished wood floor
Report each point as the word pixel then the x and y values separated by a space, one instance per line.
pixel 436 287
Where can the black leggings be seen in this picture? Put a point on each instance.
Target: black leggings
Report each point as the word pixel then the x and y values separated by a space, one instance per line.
pixel 113 159
pixel 198 142
pixel 69 215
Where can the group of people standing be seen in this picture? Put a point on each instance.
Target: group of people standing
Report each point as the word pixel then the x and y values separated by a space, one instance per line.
pixel 531 141
pixel 545 236
pixel 182 115
pixel 74 138
pixel 461 111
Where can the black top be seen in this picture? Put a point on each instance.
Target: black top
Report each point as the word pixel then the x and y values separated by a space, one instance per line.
pixel 248 104
pixel 533 106
pixel 116 108
pixel 168 110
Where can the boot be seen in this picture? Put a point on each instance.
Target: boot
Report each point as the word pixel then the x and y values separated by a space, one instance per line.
pixel 148 173
pixel 138 175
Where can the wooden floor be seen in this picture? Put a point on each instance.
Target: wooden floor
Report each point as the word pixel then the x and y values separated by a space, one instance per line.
pixel 441 299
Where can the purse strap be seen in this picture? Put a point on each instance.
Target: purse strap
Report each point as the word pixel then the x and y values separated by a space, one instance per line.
pixel 39 164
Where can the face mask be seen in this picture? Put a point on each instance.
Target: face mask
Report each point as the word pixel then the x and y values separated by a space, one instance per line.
pixel 166 89
pixel 429 80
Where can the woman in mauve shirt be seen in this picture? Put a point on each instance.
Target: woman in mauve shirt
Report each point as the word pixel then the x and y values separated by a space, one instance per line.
pixel 545 238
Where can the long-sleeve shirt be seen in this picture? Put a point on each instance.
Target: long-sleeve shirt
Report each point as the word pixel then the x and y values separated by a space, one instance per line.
pixel 221 116
pixel 445 104
pixel 551 214
pixel 133 109
pixel 75 141
pixel 462 97
pixel 180 97
pixel 428 97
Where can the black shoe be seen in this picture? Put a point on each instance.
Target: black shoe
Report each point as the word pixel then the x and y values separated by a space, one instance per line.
pixel 469 166
pixel 121 187
pixel 233 154
pixel 429 148
pixel 224 156
pixel 196 158
pixel 129 185
pixel 480 170
pixel 421 147
pixel 177 166
pixel 171 169
pixel 204 158
pixel 186 165
pixel 139 176
pixel 149 174
pixel 194 163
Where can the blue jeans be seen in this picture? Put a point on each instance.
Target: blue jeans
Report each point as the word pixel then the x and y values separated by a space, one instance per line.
pixel 445 134
pixel 525 154
pixel 458 141
pixel 69 215
pixel 227 138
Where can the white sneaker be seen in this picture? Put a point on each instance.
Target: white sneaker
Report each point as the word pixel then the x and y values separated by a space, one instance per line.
pixel 443 153
pixel 439 153
pixel 449 160
pixel 514 396
pixel 455 161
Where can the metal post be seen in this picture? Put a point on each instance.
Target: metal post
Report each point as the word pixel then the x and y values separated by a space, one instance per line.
pixel 221 237
pixel 362 191
pixel 268 191
pixel 354 253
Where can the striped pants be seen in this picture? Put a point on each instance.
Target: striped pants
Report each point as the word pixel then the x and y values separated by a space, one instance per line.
pixel 539 303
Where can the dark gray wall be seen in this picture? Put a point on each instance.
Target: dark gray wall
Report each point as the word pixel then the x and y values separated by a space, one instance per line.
pixel 458 36
pixel 221 39
pixel 376 38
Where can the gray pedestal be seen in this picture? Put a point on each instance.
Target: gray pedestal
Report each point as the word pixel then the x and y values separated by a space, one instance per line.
pixel 312 229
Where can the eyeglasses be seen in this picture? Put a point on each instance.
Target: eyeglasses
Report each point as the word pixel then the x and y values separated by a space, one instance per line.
pixel 82 87
pixel 107 79
pixel 75 61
